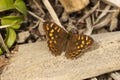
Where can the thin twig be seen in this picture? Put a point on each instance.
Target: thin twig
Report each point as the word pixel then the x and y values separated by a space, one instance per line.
pixel 103 22
pixel 52 12
pixel 102 14
pixel 5 26
pixel 89 26
pixel 9 25
pixel 39 7
pixel 4 46
pixel 94 78
pixel 115 76
pixel 89 12
pixel 114 20
pixel 108 11
pixel 37 23
pixel 34 15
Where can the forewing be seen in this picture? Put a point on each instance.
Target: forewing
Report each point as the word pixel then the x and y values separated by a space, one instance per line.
pixel 76 44
pixel 57 37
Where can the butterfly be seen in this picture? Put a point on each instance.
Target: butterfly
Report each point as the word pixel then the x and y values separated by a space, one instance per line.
pixel 60 40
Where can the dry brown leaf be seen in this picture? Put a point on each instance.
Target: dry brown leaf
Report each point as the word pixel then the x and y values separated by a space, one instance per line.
pixel 74 5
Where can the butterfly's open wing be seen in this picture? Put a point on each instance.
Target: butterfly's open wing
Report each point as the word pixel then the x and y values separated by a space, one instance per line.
pixel 76 44
pixel 57 37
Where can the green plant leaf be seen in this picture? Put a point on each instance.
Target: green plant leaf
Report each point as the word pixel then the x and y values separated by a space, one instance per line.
pixel 11 37
pixel 6 5
pixel 20 6
pixel 1 52
pixel 12 20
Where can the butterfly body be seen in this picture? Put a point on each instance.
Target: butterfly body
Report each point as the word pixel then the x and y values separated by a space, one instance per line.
pixel 59 40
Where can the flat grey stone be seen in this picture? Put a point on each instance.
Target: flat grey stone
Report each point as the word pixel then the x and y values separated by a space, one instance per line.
pixel 35 62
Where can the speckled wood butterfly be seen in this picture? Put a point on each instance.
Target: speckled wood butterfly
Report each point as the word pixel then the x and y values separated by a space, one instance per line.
pixel 59 40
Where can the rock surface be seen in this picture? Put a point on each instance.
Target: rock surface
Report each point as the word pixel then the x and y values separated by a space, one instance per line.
pixel 34 61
